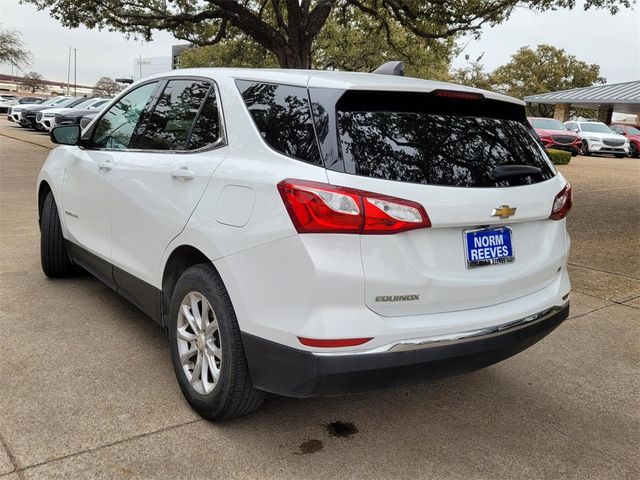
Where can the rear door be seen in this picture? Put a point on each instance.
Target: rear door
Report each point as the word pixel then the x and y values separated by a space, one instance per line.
pixel 485 183
pixel 156 187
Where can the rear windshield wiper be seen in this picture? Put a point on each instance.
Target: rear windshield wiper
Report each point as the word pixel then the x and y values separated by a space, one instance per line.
pixel 506 171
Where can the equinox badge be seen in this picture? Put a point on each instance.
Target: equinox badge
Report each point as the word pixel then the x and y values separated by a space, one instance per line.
pixel 503 211
pixel 397 298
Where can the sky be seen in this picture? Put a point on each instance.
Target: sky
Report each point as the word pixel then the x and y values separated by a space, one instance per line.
pixel 594 36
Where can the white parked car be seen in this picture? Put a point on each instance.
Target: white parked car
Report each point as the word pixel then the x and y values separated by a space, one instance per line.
pixel 15 112
pixel 313 233
pixel 47 118
pixel 7 101
pixel 599 138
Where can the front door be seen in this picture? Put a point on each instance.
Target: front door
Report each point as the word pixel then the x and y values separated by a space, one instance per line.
pixel 88 176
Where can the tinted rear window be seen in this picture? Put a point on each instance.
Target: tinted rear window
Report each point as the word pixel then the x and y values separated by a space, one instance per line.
pixel 435 146
pixel 283 117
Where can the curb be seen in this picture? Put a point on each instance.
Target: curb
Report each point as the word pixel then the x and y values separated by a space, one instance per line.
pixel 3 134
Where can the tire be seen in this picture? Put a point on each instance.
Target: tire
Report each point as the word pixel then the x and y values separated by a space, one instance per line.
pixel 633 152
pixel 232 394
pixel 54 257
pixel 585 149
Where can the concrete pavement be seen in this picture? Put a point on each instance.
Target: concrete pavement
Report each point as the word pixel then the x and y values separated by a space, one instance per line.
pixel 87 389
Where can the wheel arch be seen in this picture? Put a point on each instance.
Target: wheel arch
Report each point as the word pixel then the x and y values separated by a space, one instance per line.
pixel 180 259
pixel 43 190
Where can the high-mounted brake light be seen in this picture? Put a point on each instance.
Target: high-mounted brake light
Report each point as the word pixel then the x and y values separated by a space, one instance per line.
pixel 562 203
pixel 322 208
pixel 457 94
pixel 341 342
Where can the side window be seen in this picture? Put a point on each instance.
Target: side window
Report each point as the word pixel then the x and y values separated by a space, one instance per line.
pixel 117 126
pixel 170 123
pixel 283 117
pixel 206 130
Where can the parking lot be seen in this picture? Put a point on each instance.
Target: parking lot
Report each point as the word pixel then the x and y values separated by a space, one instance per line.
pixel 87 389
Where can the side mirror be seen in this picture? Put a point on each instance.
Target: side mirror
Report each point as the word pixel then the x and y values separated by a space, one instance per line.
pixel 66 135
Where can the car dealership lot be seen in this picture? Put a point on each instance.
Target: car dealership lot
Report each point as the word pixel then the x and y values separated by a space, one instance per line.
pixel 87 389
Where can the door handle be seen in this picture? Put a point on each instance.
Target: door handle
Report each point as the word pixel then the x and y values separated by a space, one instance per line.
pixel 183 174
pixel 106 166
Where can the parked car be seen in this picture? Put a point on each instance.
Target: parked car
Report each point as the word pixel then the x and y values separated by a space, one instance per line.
pixel 77 116
pixel 598 138
pixel 388 235
pixel 30 100
pixel 29 116
pixel 15 112
pixel 553 134
pixel 7 101
pixel 47 118
pixel 633 135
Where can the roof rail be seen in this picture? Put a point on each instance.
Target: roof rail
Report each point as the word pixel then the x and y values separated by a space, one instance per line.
pixel 391 68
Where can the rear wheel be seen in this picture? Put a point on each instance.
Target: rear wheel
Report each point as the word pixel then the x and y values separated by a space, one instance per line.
pixel 585 149
pixel 54 257
pixel 206 347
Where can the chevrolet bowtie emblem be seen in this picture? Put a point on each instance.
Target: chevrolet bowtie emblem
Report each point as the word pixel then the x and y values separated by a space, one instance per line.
pixel 503 211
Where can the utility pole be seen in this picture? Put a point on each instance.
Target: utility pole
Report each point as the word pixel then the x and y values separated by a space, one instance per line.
pixel 69 72
pixel 75 71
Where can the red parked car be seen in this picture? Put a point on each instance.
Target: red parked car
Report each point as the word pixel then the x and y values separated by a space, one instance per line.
pixel 632 133
pixel 553 134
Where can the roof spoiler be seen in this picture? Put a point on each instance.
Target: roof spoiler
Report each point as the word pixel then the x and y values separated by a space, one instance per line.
pixel 391 68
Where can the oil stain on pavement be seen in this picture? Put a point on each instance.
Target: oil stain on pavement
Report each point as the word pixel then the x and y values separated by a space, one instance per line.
pixel 338 429
pixel 341 429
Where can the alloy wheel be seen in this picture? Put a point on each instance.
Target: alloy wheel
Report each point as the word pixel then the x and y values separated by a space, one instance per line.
pixel 585 148
pixel 199 346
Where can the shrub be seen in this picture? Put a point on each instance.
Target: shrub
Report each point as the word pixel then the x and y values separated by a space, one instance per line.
pixel 559 157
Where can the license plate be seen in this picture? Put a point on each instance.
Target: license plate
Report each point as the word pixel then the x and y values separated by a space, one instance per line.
pixel 488 246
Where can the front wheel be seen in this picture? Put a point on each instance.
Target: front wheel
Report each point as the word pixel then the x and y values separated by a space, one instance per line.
pixel 585 149
pixel 54 257
pixel 633 152
pixel 206 347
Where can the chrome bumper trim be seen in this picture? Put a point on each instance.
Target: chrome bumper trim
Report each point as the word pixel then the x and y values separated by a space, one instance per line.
pixel 453 338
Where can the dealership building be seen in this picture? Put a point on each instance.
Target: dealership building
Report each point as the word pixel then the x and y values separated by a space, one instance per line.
pixel 620 98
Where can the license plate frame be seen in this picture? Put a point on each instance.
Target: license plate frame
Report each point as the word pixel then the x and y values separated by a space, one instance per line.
pixel 506 232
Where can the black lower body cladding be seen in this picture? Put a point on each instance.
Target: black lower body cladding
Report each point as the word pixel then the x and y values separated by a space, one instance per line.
pixel 290 372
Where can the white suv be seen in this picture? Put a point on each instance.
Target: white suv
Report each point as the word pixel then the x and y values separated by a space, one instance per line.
pixel 313 233
pixel 598 138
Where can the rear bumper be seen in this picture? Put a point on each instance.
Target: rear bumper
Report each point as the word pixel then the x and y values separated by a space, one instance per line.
pixel 290 372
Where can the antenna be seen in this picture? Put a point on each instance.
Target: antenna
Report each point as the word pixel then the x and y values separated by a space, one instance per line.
pixel 391 68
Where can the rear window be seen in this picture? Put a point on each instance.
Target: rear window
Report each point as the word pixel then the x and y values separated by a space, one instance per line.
pixel 283 117
pixel 412 138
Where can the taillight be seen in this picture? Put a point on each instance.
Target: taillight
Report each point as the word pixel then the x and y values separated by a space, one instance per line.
pixel 562 203
pixel 322 208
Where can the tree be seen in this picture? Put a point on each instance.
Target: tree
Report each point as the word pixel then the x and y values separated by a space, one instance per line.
pixel 473 75
pixel 12 48
pixel 289 28
pixel 34 82
pixel 348 41
pixel 106 87
pixel 545 69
